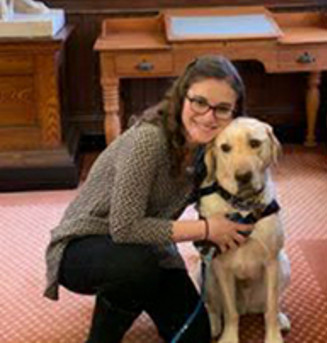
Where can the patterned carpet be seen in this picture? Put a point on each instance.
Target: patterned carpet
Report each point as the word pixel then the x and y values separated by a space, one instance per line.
pixel 26 218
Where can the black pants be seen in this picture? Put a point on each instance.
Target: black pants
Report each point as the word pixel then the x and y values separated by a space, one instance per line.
pixel 127 280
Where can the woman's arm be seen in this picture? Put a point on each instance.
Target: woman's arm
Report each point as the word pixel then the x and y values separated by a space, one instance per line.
pixel 136 170
pixel 188 230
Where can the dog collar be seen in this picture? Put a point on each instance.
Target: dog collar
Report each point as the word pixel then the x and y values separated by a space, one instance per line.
pixel 255 215
pixel 235 201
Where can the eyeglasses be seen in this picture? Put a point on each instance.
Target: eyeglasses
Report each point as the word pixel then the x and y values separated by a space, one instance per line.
pixel 200 105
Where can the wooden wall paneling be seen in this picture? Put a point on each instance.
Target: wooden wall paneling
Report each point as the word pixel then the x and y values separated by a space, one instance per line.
pixel 277 99
pixel 83 84
pixel 128 5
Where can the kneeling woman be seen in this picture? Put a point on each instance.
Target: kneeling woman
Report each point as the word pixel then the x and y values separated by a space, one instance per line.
pixel 117 239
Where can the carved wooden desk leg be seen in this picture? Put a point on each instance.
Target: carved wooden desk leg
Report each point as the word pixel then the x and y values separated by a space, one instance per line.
pixel 112 125
pixel 312 106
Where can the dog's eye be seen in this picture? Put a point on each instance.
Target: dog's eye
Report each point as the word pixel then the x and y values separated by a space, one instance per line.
pixel 226 147
pixel 254 143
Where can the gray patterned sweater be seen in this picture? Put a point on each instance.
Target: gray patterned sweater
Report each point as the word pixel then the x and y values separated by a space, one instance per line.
pixel 128 194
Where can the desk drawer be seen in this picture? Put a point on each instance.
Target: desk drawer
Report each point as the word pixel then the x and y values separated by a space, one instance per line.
pixel 143 64
pixel 10 64
pixel 302 59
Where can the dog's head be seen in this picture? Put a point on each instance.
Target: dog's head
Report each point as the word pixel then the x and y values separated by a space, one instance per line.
pixel 240 156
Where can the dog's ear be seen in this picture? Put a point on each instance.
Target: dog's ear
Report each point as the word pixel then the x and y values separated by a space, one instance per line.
pixel 275 146
pixel 210 162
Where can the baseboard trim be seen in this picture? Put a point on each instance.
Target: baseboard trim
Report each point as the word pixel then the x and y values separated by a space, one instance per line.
pixel 38 169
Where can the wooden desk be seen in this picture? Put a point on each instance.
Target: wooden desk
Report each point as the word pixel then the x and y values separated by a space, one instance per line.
pixel 142 47
pixel 32 150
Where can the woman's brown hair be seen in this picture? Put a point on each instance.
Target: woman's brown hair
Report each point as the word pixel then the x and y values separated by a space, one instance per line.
pixel 168 112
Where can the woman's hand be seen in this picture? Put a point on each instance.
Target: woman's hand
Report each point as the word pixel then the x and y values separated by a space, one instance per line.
pixel 224 232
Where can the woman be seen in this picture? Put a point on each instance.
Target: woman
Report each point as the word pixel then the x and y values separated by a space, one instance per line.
pixel 117 238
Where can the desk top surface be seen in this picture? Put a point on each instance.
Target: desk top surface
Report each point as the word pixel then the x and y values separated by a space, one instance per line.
pixel 178 27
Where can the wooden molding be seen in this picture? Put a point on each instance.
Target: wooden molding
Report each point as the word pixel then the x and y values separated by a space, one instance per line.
pixel 114 6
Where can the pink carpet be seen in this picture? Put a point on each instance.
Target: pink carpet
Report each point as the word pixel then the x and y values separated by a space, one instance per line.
pixel 26 219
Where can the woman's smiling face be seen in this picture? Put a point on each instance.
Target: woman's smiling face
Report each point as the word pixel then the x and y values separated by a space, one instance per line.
pixel 208 107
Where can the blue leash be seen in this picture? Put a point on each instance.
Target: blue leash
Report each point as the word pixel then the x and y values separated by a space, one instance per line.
pixel 206 259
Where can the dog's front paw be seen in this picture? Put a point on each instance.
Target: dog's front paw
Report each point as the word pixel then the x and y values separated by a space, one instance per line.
pixel 229 336
pixel 228 340
pixel 276 337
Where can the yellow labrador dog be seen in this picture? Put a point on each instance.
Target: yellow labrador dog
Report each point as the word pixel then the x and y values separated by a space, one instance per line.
pixel 250 278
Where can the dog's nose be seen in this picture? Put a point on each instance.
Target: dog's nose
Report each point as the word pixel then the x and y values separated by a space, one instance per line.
pixel 243 178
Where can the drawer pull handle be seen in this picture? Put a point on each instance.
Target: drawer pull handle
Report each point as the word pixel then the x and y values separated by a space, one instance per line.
pixel 144 66
pixel 306 58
